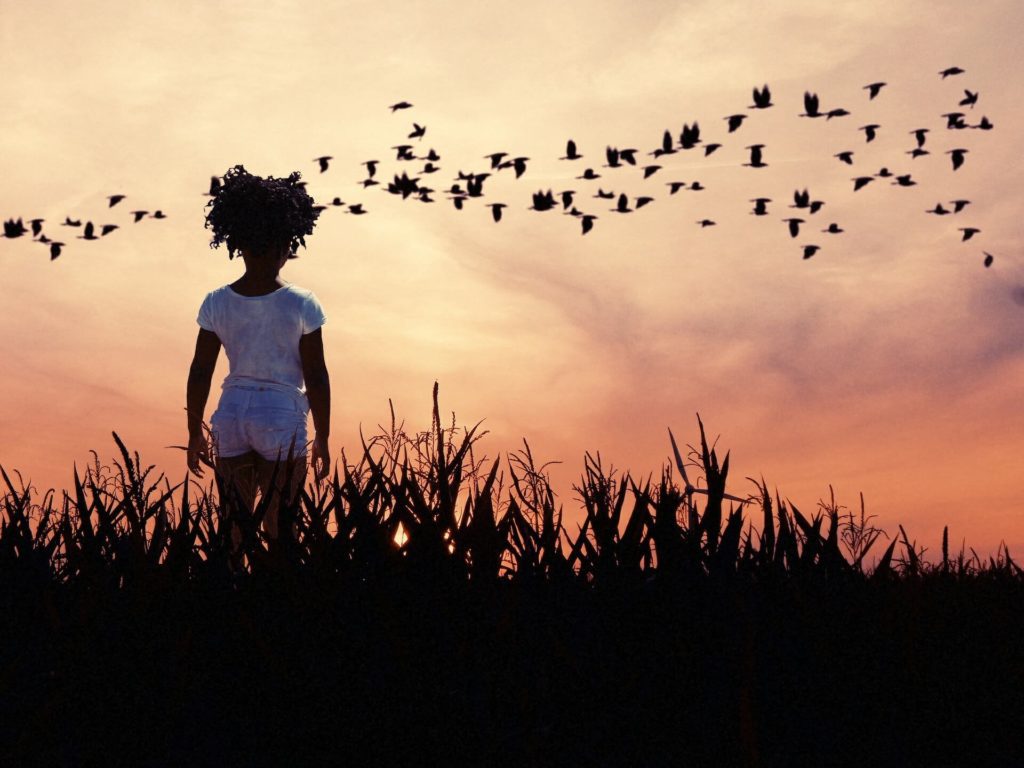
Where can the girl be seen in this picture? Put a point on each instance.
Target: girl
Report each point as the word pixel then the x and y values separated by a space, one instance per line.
pixel 271 331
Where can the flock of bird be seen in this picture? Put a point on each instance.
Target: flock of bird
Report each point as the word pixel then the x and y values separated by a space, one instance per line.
pixel 469 185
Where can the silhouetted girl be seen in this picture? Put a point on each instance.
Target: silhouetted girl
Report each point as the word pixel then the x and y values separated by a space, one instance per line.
pixel 271 331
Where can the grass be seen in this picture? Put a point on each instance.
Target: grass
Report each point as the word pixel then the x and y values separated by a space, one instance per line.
pixel 421 608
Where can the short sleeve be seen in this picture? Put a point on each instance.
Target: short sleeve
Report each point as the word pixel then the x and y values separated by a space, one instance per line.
pixel 205 317
pixel 312 314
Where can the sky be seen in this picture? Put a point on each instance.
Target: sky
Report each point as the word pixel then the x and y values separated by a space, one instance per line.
pixel 889 364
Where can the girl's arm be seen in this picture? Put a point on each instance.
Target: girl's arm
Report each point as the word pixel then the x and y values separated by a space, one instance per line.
pixel 318 390
pixel 200 375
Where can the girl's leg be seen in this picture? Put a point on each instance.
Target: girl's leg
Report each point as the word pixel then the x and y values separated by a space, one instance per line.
pixel 241 473
pixel 264 471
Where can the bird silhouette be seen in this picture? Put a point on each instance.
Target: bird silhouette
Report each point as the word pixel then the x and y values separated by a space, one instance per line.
pixel 69 222
pixel 604 195
pixel 158 214
pixel 215 185
pixel 623 205
pixel 650 170
pixel 833 229
pixel 706 223
pixel 642 201
pixel 42 239
pixel 815 206
pixel 675 186
pixel 431 156
pixel 400 105
pixel 337 201
pixel 873 89
pixel 690 136
pixel 587 221
pixel 970 99
pixel 88 233
pixel 667 146
pixel 959 205
pixel 760 206
pixel 496 211
pixel 55 250
pixel 457 201
pixel 495 158
pixel 920 135
pixel 969 232
pixel 570 151
pixel 949 71
pixel 810 105
pixel 139 216
pixel 323 160
pixel 870 131
pixel 519 164
pixel 107 229
pixel 810 250
pixel 954 120
pixel 917 152
pixel 861 181
pixel 985 124
pixel 762 98
pixel 567 198
pixel 696 186
pixel 404 152
pixel 611 154
pixel 957 156
pixel 628 155
pixel 371 167
pixel 735 121
pixel 114 200
pixel 904 181
pixel 368 182
pixel 801 199
pixel 938 210
pixel 794 226
pixel 430 168
pixel 14 228
pixel 837 112
pixel 37 226
pixel 589 175
pixel 845 157
pixel 884 173
pixel 543 201
pixel 988 258
pixel 756 160
pixel 709 148
pixel 356 209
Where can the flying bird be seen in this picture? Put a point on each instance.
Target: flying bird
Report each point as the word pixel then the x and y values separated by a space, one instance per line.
pixel 139 216
pixel 675 186
pixel 69 222
pixel 794 226
pixel 371 167
pixel 938 210
pixel 55 250
pixel 762 98
pixel 570 151
pixel 356 209
pixel 958 156
pixel 323 160
pixel 917 152
pixel 970 99
pixel 495 158
pixel 667 146
pixel 969 232
pixel 650 170
pixel 919 134
pixel 862 181
pixel 706 223
pixel 904 181
pixel 735 121
pixel 760 206
pixel 567 198
pixel 696 187
pixel 954 120
pixel 623 205
pixel 604 195
pixel 951 71
pixel 690 136
pixel 810 105
pixel 400 105
pixel 709 148
pixel 88 233
pixel 589 175
pixel 587 222
pixel 642 201
pixel 37 226
pixel 833 229
pixel 837 112
pixel 985 124
pixel 114 200
pixel 870 131
pixel 755 157
pixel 158 214
pixel 519 164
pixel 873 89
pixel 107 229
pixel 417 131
pixel 846 157
pixel 988 258
pixel 959 205
pixel 801 199
pixel 496 211
pixel 810 250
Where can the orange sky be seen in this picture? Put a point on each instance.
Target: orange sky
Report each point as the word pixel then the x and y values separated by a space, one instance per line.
pixel 889 363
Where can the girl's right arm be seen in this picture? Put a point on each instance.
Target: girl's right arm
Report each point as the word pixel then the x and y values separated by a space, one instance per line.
pixel 318 390
pixel 200 375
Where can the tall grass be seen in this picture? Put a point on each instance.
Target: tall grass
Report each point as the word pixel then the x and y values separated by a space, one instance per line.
pixel 420 601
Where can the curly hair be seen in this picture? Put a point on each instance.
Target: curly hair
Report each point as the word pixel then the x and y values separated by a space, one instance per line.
pixel 260 214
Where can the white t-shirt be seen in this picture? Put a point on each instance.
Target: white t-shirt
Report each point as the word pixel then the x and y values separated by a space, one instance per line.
pixel 261 334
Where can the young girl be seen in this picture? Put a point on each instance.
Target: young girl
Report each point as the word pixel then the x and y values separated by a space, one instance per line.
pixel 271 331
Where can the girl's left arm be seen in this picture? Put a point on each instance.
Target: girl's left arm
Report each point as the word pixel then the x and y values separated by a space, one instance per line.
pixel 200 376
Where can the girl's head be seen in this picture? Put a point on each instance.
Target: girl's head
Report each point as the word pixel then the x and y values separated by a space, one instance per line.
pixel 261 216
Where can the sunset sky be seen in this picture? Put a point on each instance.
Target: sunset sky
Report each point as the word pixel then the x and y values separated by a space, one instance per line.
pixel 890 363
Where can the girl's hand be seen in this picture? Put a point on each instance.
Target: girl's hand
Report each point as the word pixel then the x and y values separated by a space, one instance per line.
pixel 321 458
pixel 198 451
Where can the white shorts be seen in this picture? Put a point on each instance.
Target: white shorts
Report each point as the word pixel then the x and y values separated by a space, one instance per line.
pixel 261 419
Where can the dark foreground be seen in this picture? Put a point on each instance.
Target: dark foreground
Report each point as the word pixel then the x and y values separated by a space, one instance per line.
pixel 657 633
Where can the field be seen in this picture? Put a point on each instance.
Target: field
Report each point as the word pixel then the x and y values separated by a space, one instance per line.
pixel 416 610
